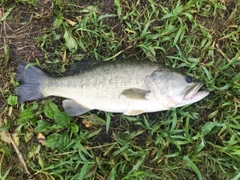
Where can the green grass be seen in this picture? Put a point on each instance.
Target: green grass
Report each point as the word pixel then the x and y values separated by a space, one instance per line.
pixel 199 141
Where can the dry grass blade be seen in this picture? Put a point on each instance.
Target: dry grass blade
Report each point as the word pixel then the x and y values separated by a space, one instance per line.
pixel 18 153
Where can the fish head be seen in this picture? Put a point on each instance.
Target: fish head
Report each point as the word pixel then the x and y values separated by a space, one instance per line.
pixel 175 88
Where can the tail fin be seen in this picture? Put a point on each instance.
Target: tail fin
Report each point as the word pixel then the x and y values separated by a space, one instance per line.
pixel 30 79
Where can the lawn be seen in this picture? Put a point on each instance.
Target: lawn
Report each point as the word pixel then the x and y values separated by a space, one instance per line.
pixel 199 141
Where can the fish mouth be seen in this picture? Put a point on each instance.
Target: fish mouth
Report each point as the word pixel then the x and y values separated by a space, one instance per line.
pixel 194 94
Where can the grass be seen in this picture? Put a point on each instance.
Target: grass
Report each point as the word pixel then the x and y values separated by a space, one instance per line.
pixel 199 141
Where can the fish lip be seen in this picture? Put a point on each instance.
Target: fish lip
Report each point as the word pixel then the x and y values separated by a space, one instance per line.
pixel 192 92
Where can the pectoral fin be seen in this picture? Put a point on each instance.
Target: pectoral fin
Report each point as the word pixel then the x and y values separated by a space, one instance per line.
pixel 133 112
pixel 73 108
pixel 135 93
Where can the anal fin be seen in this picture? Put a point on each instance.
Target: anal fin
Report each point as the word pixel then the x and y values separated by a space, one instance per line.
pixel 73 108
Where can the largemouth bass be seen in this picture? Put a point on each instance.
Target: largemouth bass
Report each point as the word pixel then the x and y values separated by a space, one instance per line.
pixel 128 87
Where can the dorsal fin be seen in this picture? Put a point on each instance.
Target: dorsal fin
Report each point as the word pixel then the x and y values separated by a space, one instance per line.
pixel 81 66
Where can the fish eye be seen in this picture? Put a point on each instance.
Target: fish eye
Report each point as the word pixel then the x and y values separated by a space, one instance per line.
pixel 188 79
pixel 155 74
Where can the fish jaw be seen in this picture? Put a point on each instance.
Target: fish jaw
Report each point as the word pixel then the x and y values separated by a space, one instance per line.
pixel 193 95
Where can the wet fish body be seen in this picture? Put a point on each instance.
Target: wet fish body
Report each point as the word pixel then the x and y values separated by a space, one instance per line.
pixel 129 87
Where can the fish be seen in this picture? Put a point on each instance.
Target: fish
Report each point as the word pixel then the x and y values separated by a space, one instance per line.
pixel 125 86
